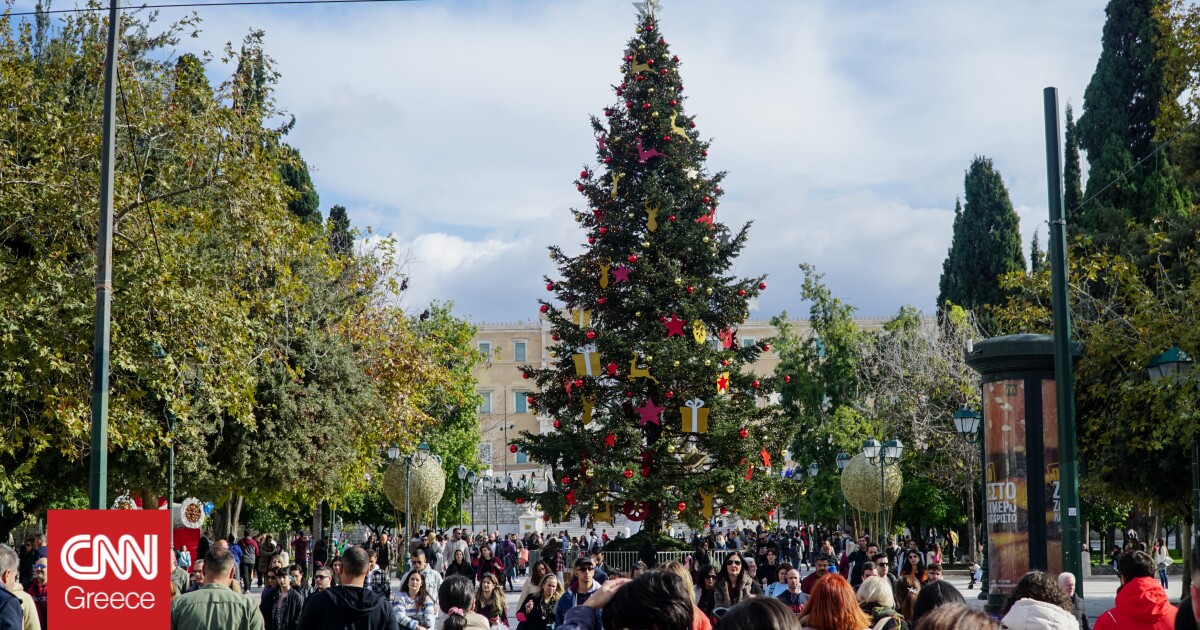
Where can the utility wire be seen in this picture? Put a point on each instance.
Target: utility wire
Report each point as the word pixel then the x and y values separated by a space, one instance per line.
pixel 229 3
pixel 1122 176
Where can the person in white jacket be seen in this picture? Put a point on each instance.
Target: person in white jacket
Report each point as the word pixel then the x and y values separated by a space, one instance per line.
pixel 1039 603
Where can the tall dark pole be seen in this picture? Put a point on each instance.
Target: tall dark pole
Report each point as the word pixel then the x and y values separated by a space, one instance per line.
pixel 171 469
pixel 983 530
pixel 460 520
pixel 1064 369
pixel 98 481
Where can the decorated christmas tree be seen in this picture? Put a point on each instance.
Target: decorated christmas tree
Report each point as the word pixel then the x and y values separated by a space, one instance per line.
pixel 655 412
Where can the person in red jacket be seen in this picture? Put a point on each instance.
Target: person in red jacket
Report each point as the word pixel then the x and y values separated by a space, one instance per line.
pixel 1141 601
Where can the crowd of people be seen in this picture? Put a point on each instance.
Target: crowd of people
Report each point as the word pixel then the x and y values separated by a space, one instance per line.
pixel 733 581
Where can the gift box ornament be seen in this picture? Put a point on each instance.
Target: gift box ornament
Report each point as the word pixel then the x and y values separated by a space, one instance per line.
pixel 581 317
pixel 587 361
pixel 694 416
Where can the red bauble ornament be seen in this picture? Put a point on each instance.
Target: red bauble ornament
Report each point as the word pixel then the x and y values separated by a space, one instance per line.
pixel 682 506
pixel 608 112
pixel 566 480
pixel 579 188
pixel 525 375
pixel 520 500
pixel 549 286
pixel 650 62
pixel 554 336
pixel 755 385
pixel 670 394
pixel 603 230
pixel 544 308
pixel 724 362
pixel 690 289
pixel 512 448
pixel 645 105
pixel 529 399
pixel 546 518
pixel 601 301
pixel 637 78
pixel 663 319
pixel 666 138
pixel 584 174
pixel 628 57
pixel 619 93
pixel 591 240
pixel 704 153
pixel 675 58
pixel 741 293
pixel 724 510
pixel 628 105
pixel 766 347
pixel 578 382
pixel 645 472
pixel 671 218
pixel 557 425
pixel 744 433
pixel 628 474
pixel 629 394
pixel 674 102
pixel 692 124
pixel 591 334
pixel 707 200
pixel 649 28
pixel 608 160
pixel 632 258
pixel 762 286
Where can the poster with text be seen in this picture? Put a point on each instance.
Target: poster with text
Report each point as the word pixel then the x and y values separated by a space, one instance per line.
pixel 1007 504
pixel 1053 503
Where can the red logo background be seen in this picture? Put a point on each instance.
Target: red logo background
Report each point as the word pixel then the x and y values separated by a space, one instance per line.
pixel 105 612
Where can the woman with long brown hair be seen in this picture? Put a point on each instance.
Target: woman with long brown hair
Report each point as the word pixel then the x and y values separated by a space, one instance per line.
pixel 734 583
pixel 833 605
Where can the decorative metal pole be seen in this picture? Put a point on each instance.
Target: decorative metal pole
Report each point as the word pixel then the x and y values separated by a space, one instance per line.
pixel 98 480
pixel 1064 369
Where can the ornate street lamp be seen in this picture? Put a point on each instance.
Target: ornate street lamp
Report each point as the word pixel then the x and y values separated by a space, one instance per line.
pixel 471 478
pixel 882 454
pixel 842 460
pixel 967 422
pixel 1176 364
pixel 813 469
pixel 461 473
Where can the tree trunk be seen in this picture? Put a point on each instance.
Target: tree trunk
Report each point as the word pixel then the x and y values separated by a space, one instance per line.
pixel 970 525
pixel 653 524
pixel 236 516
pixel 1185 530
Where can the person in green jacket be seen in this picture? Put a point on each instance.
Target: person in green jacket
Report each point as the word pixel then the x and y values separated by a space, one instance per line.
pixel 214 605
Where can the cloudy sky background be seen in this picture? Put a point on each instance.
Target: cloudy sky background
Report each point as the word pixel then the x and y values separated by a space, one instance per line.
pixel 846 126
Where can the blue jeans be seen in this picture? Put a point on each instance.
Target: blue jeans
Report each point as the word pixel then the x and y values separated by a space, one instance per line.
pixel 1162 576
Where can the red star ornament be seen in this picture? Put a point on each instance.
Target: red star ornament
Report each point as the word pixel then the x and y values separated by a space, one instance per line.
pixel 674 325
pixel 621 274
pixel 649 413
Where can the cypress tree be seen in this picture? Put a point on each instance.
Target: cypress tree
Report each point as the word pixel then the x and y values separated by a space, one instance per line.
pixel 1072 172
pixel 986 242
pixel 1037 257
pixel 1122 101
pixel 340 239
pixel 294 172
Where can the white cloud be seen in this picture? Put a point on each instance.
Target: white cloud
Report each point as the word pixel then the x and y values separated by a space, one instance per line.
pixel 846 126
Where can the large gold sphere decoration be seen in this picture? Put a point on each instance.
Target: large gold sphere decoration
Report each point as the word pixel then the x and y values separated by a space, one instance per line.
pixel 860 484
pixel 428 484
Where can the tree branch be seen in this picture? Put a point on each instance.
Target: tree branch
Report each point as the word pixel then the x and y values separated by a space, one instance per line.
pixel 207 181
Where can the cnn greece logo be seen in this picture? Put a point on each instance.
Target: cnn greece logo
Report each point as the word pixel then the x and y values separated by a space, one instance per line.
pixel 120 558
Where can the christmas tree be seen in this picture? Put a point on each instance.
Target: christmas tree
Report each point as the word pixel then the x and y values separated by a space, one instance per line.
pixel 655 413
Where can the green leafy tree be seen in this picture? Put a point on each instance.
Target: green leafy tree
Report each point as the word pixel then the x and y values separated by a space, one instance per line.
pixel 664 310
pixel 986 243
pixel 1129 182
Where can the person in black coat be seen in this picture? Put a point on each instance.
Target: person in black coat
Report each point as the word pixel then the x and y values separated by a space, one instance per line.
pixel 460 566
pixel 10 606
pixel 348 605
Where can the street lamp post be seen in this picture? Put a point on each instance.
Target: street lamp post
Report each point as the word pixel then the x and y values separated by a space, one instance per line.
pixel 487 505
pixel 813 470
pixel 471 478
pixel 461 473
pixel 842 460
pixel 1175 364
pixel 883 454
pixel 419 458
pixel 967 423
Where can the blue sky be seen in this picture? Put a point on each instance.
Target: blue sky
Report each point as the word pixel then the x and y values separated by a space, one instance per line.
pixel 846 127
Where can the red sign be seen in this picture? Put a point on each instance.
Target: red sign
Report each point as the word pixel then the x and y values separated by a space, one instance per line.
pixel 113 568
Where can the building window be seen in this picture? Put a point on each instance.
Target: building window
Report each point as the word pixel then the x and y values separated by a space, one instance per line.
pixel 519 351
pixel 747 342
pixel 485 406
pixel 522 458
pixel 486 348
pixel 520 402
pixel 485 454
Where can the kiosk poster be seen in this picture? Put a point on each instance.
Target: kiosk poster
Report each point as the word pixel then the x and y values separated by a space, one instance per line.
pixel 1007 505
pixel 1053 501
